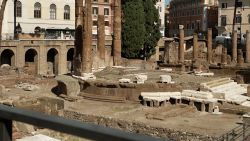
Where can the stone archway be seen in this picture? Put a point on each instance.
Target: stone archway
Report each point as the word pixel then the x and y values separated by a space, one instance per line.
pixel 52 61
pixel 8 57
pixel 70 56
pixel 31 61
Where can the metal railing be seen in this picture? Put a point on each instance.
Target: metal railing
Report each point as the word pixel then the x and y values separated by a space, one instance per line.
pixel 81 129
pixel 240 133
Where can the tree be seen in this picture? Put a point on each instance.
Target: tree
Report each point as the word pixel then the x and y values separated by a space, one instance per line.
pixel 133 29
pixel 152 26
pixel 3 5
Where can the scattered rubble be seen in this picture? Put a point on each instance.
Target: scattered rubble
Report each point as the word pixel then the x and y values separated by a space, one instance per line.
pixel 26 86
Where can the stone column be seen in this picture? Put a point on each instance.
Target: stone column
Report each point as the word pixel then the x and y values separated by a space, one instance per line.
pixel 87 54
pixel 181 45
pixel 117 32
pixel 203 107
pixel 224 56
pixel 156 103
pixel 151 103
pixel 209 45
pixel 101 37
pixel 144 103
pixel 247 47
pixel 164 103
pixel 210 107
pixel 240 58
pixel 191 103
pixel 78 37
pixel 195 46
pixel 234 47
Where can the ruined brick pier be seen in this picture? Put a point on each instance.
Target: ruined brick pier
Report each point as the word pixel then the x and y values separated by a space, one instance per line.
pixel 117 33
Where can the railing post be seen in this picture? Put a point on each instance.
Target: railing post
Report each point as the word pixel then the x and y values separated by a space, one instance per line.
pixel 5 130
pixel 244 130
pixel 227 137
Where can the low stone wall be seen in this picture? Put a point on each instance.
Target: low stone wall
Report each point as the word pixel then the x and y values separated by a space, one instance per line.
pixel 137 127
pixel 234 109
pixel 129 91
pixel 148 65
pixel 47 105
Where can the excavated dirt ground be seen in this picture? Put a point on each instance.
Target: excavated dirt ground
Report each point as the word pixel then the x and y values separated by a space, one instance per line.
pixel 177 117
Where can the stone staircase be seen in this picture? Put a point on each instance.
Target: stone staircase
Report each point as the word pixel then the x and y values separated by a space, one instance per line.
pixel 233 91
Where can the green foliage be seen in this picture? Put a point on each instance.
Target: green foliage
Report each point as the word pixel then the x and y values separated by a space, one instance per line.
pixel 152 26
pixel 133 29
pixel 140 28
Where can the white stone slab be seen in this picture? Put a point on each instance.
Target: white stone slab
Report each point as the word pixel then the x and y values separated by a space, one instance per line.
pixel 124 80
pixel 167 69
pixel 197 94
pixel 160 94
pixel 165 78
pixel 141 78
pixel 204 74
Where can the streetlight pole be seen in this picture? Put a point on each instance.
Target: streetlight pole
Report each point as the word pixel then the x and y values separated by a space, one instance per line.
pixel 15 1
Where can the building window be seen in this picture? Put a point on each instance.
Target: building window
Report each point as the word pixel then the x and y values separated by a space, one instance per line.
pixel 106 1
pixel 53 11
pixel 238 19
pixel 249 18
pixel 192 25
pixel 223 20
pixel 66 12
pixel 106 11
pixel 159 8
pixel 37 10
pixel 95 23
pixel 95 0
pixel 18 9
pixel 106 23
pixel 95 11
pixel 224 5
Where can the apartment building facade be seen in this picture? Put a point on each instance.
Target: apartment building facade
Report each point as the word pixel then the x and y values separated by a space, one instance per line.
pixel 56 18
pixel 194 15
pixel 160 5
pixel 226 17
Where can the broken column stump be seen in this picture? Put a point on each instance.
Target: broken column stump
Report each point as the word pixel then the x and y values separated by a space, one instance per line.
pixel 181 45
pixel 209 45
pixel 67 85
pixel 240 58
pixel 247 47
pixel 224 56
pixel 234 49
